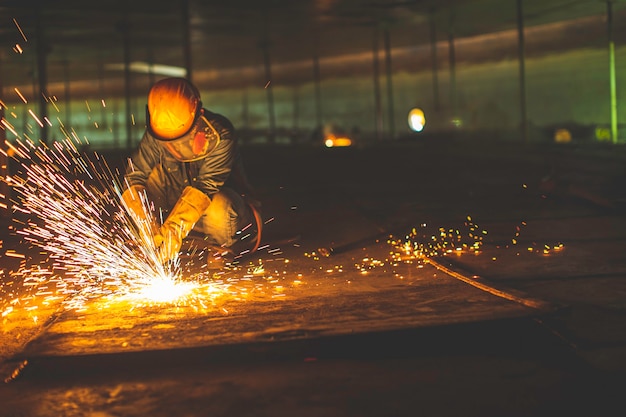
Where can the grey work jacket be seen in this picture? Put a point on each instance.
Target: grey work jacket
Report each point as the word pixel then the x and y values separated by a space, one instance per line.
pixel 151 160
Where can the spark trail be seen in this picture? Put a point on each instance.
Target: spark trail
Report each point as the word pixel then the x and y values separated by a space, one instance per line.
pixel 73 214
pixel 68 204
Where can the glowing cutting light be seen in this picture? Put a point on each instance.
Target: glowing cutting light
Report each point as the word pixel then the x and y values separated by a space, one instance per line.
pixel 163 290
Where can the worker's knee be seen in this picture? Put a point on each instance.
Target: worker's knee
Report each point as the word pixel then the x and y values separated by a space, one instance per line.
pixel 224 217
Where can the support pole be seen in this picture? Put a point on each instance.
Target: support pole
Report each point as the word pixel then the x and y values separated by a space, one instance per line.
pixel 5 190
pixel 124 28
pixel 389 71
pixel 187 38
pixel 67 97
pixel 104 125
pixel 452 60
pixel 296 109
pixel 434 63
pixel 245 110
pixel 269 92
pixel 42 76
pixel 612 78
pixel 521 47
pixel 378 113
pixel 317 79
pixel 151 74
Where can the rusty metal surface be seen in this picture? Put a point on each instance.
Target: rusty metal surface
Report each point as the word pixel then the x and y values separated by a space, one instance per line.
pixel 317 306
pixel 304 331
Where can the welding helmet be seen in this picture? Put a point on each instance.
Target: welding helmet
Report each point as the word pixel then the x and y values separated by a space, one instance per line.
pixel 175 118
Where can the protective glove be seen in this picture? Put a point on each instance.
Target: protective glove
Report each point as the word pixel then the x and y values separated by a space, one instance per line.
pixel 139 212
pixel 190 206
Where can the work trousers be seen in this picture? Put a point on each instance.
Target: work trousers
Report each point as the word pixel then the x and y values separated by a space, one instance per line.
pixel 223 221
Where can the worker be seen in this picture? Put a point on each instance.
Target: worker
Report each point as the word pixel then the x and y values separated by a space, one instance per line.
pixel 188 170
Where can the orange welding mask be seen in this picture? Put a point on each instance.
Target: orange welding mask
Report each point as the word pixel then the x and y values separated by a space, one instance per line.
pixel 175 118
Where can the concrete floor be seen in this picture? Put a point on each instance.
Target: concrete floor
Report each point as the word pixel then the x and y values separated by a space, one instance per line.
pixel 341 323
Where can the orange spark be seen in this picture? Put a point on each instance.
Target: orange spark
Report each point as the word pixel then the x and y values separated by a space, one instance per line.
pixel 20 29
pixel 21 96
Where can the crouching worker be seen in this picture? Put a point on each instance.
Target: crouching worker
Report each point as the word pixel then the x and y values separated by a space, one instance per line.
pixel 189 167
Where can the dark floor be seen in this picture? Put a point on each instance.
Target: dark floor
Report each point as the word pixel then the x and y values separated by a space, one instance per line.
pixel 530 324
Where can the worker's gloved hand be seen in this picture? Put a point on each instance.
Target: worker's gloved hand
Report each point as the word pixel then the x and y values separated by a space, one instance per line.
pixel 190 206
pixel 135 203
pixel 168 241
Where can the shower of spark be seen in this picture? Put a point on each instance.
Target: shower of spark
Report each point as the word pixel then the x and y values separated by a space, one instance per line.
pixel 68 204
pixel 419 244
pixel 72 211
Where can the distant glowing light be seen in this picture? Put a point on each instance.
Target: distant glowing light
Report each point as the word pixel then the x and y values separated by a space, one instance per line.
pixel 603 134
pixel 417 120
pixel 562 136
pixel 331 141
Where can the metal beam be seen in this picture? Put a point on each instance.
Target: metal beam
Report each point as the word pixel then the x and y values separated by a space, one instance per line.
pixel 612 80
pixel 125 30
pixel 5 190
pixel 452 60
pixel 521 48
pixel 187 38
pixel 389 70
pixel 42 76
pixel 269 92
pixel 67 95
pixel 434 63
pixel 378 114
pixel 318 92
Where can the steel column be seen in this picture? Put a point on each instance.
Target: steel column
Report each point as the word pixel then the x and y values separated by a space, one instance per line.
pixel 612 78
pixel 434 63
pixel 187 38
pixel 521 50
pixel 124 28
pixel 452 62
pixel 42 76
pixel 104 125
pixel 270 95
pixel 378 113
pixel 245 110
pixel 296 108
pixel 5 191
pixel 67 96
pixel 389 71
pixel 318 93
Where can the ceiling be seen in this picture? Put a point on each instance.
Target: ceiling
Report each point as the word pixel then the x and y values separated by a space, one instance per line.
pixel 84 40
